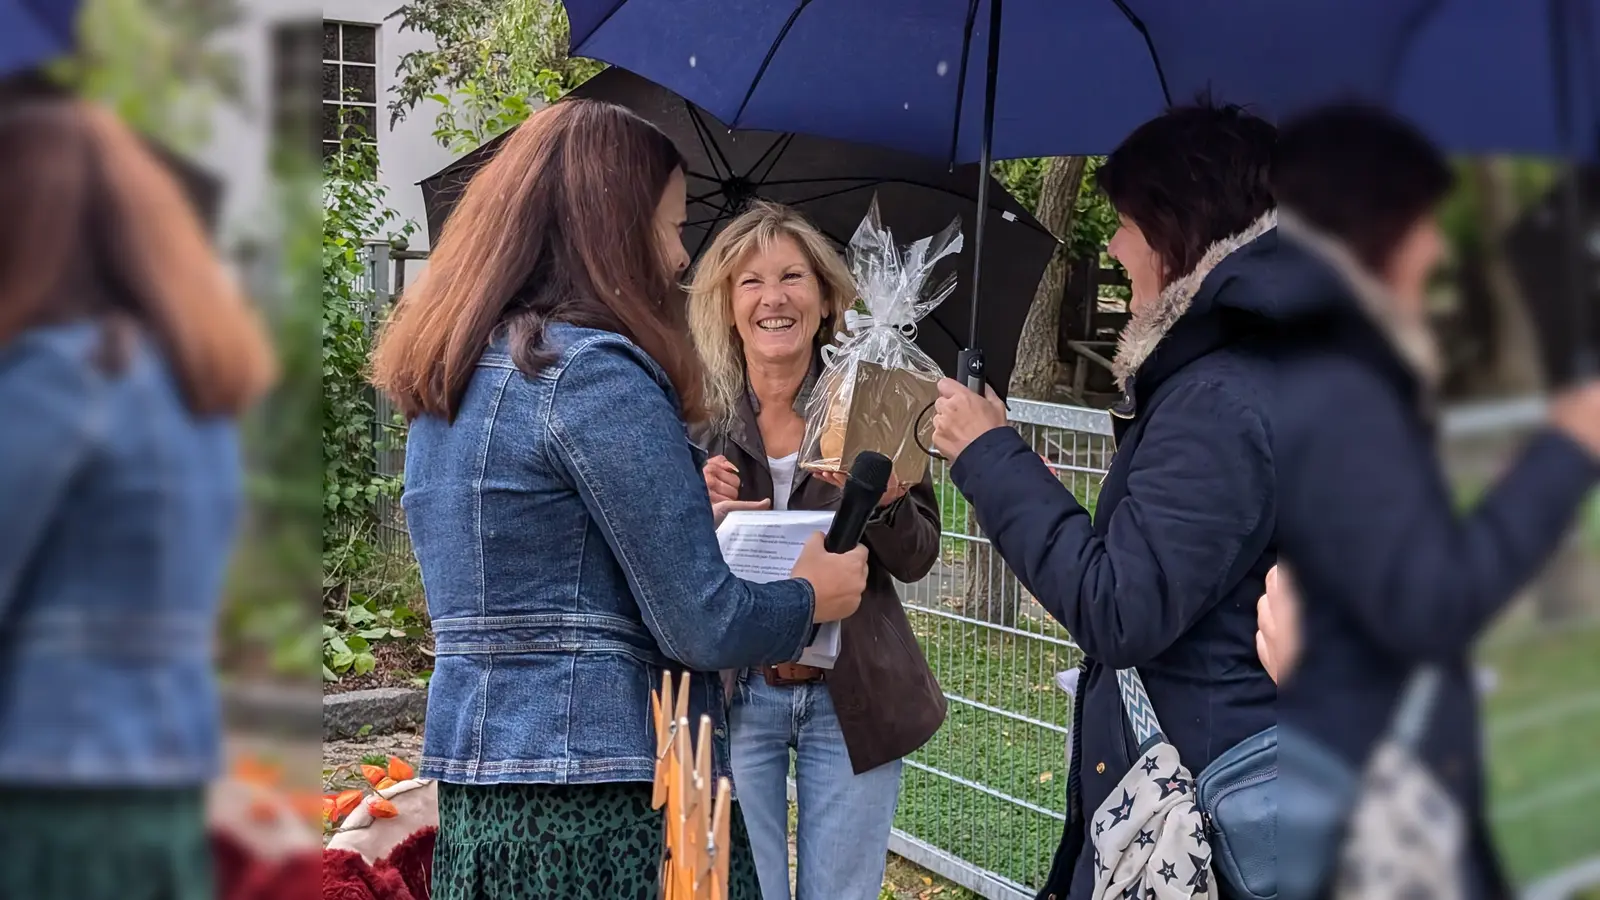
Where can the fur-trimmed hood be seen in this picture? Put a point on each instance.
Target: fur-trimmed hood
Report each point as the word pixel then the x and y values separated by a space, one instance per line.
pixel 1150 325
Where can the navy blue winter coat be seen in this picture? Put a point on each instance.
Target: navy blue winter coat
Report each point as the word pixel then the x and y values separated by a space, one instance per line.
pixel 1166 576
pixel 1388 573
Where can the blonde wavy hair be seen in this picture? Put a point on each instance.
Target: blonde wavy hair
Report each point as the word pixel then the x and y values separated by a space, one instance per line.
pixel 716 339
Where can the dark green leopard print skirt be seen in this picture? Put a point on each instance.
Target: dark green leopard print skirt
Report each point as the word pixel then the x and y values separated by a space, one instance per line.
pixel 560 842
pixel 94 844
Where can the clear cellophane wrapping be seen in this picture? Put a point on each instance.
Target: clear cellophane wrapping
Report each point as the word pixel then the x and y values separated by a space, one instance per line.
pixel 877 386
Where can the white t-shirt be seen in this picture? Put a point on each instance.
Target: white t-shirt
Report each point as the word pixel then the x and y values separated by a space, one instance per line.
pixel 782 479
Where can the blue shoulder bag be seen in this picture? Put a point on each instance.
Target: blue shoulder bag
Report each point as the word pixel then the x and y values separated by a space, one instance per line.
pixel 1238 796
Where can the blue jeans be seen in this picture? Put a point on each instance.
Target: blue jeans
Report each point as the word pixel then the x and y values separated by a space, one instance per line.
pixel 844 818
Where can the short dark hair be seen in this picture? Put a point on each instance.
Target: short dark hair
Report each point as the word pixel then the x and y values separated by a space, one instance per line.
pixel 1360 175
pixel 1191 177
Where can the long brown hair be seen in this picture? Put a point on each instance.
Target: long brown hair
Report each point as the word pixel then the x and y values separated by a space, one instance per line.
pixel 557 227
pixel 96 226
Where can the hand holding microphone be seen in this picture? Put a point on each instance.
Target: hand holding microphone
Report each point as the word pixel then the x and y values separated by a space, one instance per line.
pixel 836 565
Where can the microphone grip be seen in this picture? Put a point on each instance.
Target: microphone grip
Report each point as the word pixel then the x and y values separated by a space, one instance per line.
pixel 850 522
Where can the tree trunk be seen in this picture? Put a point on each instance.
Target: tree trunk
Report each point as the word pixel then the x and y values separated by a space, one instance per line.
pixel 1513 344
pixel 1034 378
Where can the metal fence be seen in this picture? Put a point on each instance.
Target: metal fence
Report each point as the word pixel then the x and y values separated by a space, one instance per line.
pixel 388 430
pixel 982 804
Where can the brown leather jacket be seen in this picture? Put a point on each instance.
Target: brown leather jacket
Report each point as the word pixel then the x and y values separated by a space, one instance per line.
pixel 887 699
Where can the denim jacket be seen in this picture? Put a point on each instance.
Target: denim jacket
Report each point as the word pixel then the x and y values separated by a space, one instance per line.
pixel 569 557
pixel 117 511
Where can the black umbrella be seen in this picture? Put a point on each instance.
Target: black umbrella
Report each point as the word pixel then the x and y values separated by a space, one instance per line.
pixel 202 188
pixel 833 183
pixel 1543 249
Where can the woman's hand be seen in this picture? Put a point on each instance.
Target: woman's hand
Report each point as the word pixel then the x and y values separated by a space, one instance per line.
pixel 722 479
pixel 1278 626
pixel 1576 411
pixel 721 508
pixel 960 417
pixel 837 578
pixel 891 494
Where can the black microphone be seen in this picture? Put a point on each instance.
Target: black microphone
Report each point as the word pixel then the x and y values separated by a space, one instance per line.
pixel 869 478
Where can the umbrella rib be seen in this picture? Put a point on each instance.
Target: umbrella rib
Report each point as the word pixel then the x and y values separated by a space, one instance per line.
pixel 710 227
pixel 771 52
pixel 712 151
pixel 961 79
pixel 1150 45
pixel 782 146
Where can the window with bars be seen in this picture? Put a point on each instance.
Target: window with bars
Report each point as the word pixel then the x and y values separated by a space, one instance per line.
pixel 349 83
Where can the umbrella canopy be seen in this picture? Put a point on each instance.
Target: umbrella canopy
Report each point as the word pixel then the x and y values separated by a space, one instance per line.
pixel 832 183
pixel 34 32
pixel 1071 77
pixel 1505 76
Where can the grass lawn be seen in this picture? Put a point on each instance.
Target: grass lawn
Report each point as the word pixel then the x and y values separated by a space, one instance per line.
pixel 1542 731
pixel 1542 727
pixel 1017 758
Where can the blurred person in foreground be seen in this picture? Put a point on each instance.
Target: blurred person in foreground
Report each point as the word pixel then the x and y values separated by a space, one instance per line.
pixel 766 297
pixel 558 513
pixel 126 358
pixel 1390 576
pixel 1166 575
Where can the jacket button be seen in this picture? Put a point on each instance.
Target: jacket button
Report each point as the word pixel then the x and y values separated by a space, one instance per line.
pixel 1100 768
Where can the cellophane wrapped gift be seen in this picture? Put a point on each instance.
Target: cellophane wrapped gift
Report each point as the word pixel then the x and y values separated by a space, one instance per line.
pixel 877 387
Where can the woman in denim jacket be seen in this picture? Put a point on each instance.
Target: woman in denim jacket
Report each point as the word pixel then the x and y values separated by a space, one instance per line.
pixel 566 540
pixel 125 357
pixel 765 298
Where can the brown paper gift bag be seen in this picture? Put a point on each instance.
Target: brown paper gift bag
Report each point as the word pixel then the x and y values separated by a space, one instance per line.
pixel 870 407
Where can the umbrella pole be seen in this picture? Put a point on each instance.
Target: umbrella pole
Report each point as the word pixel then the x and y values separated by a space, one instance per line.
pixel 1562 15
pixel 969 364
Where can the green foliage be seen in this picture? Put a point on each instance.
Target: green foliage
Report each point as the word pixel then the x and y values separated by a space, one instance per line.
pixel 368 601
pixel 365 592
pixel 354 211
pixel 151 61
pixel 1461 216
pixel 491 62
pixel 1094 221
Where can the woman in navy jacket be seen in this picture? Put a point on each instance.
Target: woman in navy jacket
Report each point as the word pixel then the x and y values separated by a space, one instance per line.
pixel 1166 575
pixel 1389 575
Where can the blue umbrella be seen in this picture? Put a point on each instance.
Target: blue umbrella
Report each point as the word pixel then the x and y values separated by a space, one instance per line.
pixel 1504 76
pixel 1073 76
pixel 966 80
pixel 34 32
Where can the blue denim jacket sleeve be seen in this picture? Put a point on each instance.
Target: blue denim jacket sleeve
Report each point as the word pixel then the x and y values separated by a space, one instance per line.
pixel 51 413
pixel 617 434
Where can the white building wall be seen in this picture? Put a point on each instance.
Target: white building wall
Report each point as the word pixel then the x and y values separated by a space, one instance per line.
pixel 241 135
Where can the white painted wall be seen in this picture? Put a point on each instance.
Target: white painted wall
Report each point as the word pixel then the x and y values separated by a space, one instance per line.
pixel 241 135
pixel 407 153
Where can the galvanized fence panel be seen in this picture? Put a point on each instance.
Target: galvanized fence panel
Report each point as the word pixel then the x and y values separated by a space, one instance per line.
pixel 388 430
pixel 982 804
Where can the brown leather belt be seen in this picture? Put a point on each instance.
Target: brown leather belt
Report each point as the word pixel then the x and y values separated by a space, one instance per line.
pixel 792 673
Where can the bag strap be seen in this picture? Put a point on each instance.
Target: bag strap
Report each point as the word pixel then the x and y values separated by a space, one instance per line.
pixel 1415 709
pixel 1136 704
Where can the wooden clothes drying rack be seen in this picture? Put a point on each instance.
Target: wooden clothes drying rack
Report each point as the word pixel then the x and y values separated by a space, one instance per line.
pixel 694 865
